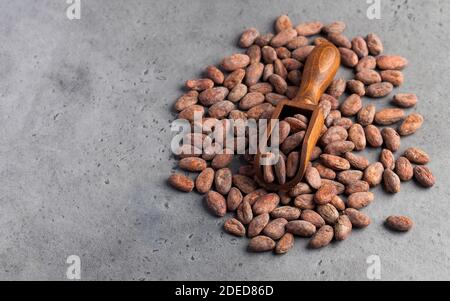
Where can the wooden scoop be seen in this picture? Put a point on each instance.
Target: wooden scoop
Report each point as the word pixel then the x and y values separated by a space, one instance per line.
pixel 320 69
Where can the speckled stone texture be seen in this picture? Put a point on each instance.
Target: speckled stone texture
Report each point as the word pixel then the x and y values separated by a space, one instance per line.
pixel 85 112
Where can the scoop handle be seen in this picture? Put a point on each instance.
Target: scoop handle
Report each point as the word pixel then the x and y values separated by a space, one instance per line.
pixel 320 69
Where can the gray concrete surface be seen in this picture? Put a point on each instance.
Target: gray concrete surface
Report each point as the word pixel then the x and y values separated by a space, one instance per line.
pixel 84 142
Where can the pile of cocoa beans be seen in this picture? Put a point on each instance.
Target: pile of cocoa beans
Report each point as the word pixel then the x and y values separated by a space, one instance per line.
pixel 328 203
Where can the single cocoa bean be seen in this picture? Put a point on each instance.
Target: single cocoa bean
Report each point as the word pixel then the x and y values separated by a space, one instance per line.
pixel 329 213
pixel 411 124
pixel 417 156
pixel 387 159
pixel 357 135
pixel 424 176
pixel 379 90
pixel 275 229
pixel 342 228
pixel 399 223
pixel 351 106
pixel 359 46
pixel 322 237
pixel 244 184
pixel 261 244
pixel 234 199
pixel 216 203
pixel 357 218
pixel 374 44
pixel 360 200
pixel 283 37
pixel 348 57
pixel 248 37
pixel 244 213
pixel 309 28
pixel 391 62
pixel 257 225
pixel 391 181
pixel 181 182
pixel 313 217
pixel 404 169
pixel 373 174
pixel 286 212
pixel 394 77
pixel 373 136
pixel 204 181
pixel 357 186
pixel 335 162
pixel 266 203
pixel 357 162
pixel 235 61
pixel 199 84
pixel 405 100
pixel 391 139
pixel 366 115
pixel 285 244
pixel 305 201
pixel 234 227
pixel 301 228
pixel 187 100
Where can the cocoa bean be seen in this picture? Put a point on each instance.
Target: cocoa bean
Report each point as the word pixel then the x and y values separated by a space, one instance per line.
pixel 379 90
pixel 216 203
pixel 266 203
pixel 351 106
pixel 275 229
pixel 244 184
pixel 204 181
pixel 235 61
pixel 357 218
pixel 374 44
pixel 424 176
pixel 313 217
pixel 309 28
pixel 391 62
pixel 405 100
pixel 387 159
pixel 248 37
pixel 404 169
pixel 261 244
pixel 360 200
pixel 301 228
pixel 215 75
pixel 417 156
pixel 234 227
pixel 329 213
pixel 399 223
pixel 257 225
pixel 244 213
pixel 199 84
pixel 335 162
pixel 373 174
pixel 305 201
pixel 181 182
pixel 287 212
pixel 391 181
pixel 285 244
pixel 187 100
pixel 322 237
pixel 373 136
pixel 391 139
pixel 283 37
pixel 411 124
pixel 357 162
pixel 342 228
